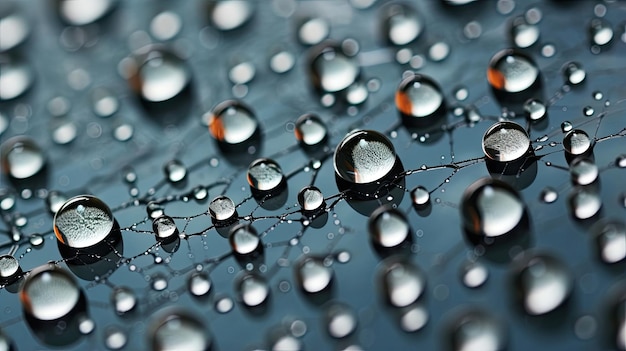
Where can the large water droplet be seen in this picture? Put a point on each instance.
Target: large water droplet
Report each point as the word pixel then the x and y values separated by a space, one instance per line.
pixel 16 77
pixel 227 15
pixel 265 175
pixel 21 157
pixel 9 269
pixel 253 290
pixel 83 221
pixel 583 171
pixel 601 32
pixel 574 73
pixel 179 330
pixel 49 293
pixel 164 227
pixel 311 199
pixel 244 239
pixel 419 99
pixel 222 209
pixel 512 72
pixel 123 300
pixel 543 282
pixel 388 227
pixel 341 320
pixel 505 142
pixel 312 275
pixel 332 70
pixel 577 142
pixel 364 156
pixel 175 171
pixel 476 330
pixel 401 24
pixel 403 282
pixel 611 241
pixel 82 12
pixel 310 130
pixel 491 208
pixel 232 122
pixel 161 76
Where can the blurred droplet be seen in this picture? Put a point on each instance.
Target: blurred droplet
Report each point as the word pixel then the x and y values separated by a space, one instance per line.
pixel 123 299
pixel 226 15
pixel 400 23
pixel 331 69
pixel 474 274
pixel 83 12
pixel 244 239
pixel 175 171
pixel 611 241
pixel 199 284
pixel 165 26
pixel 179 330
pixel 21 157
pixel 49 293
pixel 574 73
pixel 253 290
pixel 403 282
pixel 313 31
pixel 535 109
pixel 583 171
pixel 310 130
pixel 388 227
pixel 312 275
pixel 16 77
pixel 341 320
pixel 476 330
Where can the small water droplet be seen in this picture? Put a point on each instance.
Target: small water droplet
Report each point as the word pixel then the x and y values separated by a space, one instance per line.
pixel 611 240
pixel 253 290
pixel 601 32
pixel 36 240
pixel 282 62
pixel 232 122
pixel 86 325
pixel 341 320
pixel 49 293
pixel 364 156
pixel 222 209
pixel 166 25
pixel 224 305
pixel 505 142
pixel 123 299
pixel 65 133
pixel 115 338
pixel 311 198
pixel 14 28
pixel 83 12
pixel 419 99
pixel 583 171
pixel 549 195
pixel 9 269
pixel 154 210
pixel 16 77
pixel 21 157
pixel 588 111
pixel 420 196
pixel 584 203
pixel 199 284
pixel 523 33
pixel 474 274
pixel 313 30
pixel 161 76
pixel 388 227
pixel 226 15
pixel 574 73
pixel 7 199
pixel 312 275
pixel 179 330
pixel 175 171
pixel 244 239
pixel 123 132
pixel 159 282
pixel 512 72
pixel 242 73
pixel 331 69
pixel 414 318
pixel 83 221
pixel 566 126
pixel 403 282
pixel 310 130
pixel 401 24
pixel 597 95
pixel 164 227
pixel 577 142
pixel 535 109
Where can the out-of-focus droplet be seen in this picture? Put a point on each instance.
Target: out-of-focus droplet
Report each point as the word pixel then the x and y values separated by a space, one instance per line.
pixel 476 330
pixel 123 132
pixel 253 290
pixel 265 175
pixel 242 73
pixel 21 157
pixel 549 195
pixel 310 130
pixel 9 269
pixel 312 275
pixel 388 227
pixel 535 110
pixel 83 12
pixel 600 31
pixel 164 227
pixel 620 161
pixel 512 72
pixel 506 142
pixel 55 201
pixel 313 31
pixel 179 330
pixel 610 237
pixel 115 338
pixel 523 33
pixel 543 281
pixel 577 142
pixel 65 133
pixel 159 282
pixel 159 75
pixel 400 24
pixel 583 171
pixel 364 156
pixel 439 51
pixel 414 318
pixel 123 299
pixel 7 199
pixel 165 26
pixel 105 104
pixel 584 203
pixel 232 122
pixel 403 282
pixel 175 171
pixel 222 209
pixel 311 199
pixel 83 221
pixel 574 73
pixel 199 284
pixel 224 305
pixel 474 274
pixel 419 99
pixel 228 15
pixel 341 320
pixel 14 28
pixel 282 62
pixel 244 239
pixel 331 69
pixel 491 208
pixel 49 293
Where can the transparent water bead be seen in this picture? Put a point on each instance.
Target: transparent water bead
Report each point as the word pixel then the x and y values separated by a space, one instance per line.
pixel 584 202
pixel 49 293
pixel 244 239
pixel 420 196
pixel 512 72
pixel 226 15
pixel 21 157
pixel 331 69
pixel 505 142
pixel 403 282
pixel 9 269
pixel 583 171
pixel 310 130
pixel 400 24
pixel 476 330
pixel 364 156
pixel 418 96
pixel 199 284
pixel 577 142
pixel 610 238
pixel 264 175
pixel 535 110
pixel 162 75
pixel 164 227
pixel 566 126
pixel 600 31
pixel 83 12
pixel 232 122
pixel 253 290
pixel 222 209
pixel 341 320
pixel 543 281
pixel 388 227
pixel 83 221
pixel 491 208
pixel 123 300
pixel 55 201
pixel 179 330
pixel 175 171
pixel 311 199
pixel 474 274
pixel 16 77
pixel 312 275
pixel 574 73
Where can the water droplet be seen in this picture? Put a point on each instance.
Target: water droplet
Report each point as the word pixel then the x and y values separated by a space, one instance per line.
pixel 123 132
pixel 49 293
pixel 588 111
pixel 9 269
pixel 535 109
pixel 244 239
pixel 474 274
pixel 491 208
pixel 224 305
pixel 265 175
pixel 313 30
pixel 282 62
pixel 476 330
pixel 175 171
pixel 310 130
pixel 242 73
pixel 506 142
pixel 566 126
pixel 86 325
pixel 574 73
pixel 200 192
pixel 105 104
pixel 253 290
pixel 83 221
pixel 601 32
pixel 403 282
pixel 115 338
pixel 14 28
pixel 523 33
pixel 620 161
pixel 7 199
pixel 414 318
pixel 199 284
pixel 36 240
pixel 222 209
pixel 311 198
pixel 164 227
pixel 401 24
pixel 312 275
pixel 159 282
pixel 364 156
pixel 577 142
pixel 165 26
pixel 123 299
pixel 154 210
pixel 388 227
pixel 65 133
pixel 179 330
pixel 331 69
pixel 233 122
pixel 439 51
pixel 420 196
pixel 21 157
pixel 419 99
pixel 82 12
pixel 228 15
pixel 357 93
pixel 611 241
pixel 285 342
pixel 512 72
pixel 16 77
pixel 584 203
pixel 162 75
pixel 549 195
pixel 543 281
pixel 341 320
pixel 583 171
